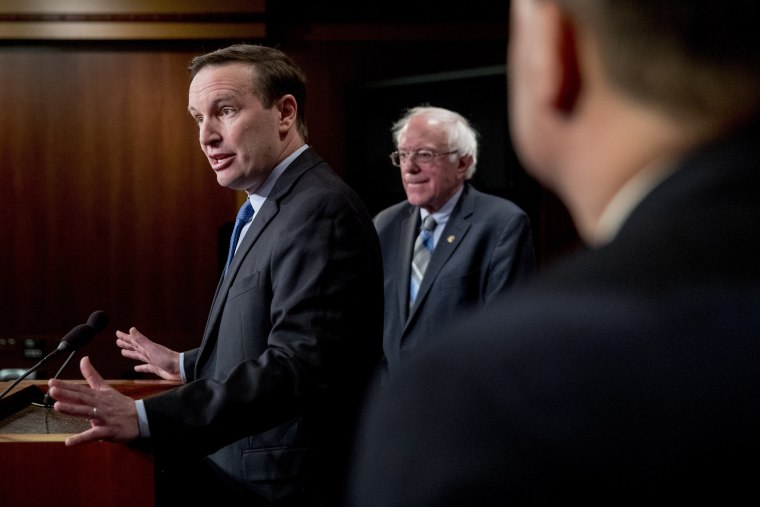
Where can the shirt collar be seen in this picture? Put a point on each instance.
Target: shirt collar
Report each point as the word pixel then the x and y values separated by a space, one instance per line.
pixel 625 201
pixel 442 215
pixel 260 195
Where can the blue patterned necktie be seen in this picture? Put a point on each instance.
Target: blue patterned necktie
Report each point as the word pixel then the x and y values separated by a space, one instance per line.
pixel 423 248
pixel 243 217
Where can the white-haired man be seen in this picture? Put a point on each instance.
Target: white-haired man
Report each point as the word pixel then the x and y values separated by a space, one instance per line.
pixel 448 248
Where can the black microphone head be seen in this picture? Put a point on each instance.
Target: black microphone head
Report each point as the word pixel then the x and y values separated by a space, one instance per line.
pixel 77 338
pixel 98 321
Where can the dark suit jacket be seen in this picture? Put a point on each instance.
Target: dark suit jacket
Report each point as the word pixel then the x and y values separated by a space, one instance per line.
pixel 293 334
pixel 485 248
pixel 629 374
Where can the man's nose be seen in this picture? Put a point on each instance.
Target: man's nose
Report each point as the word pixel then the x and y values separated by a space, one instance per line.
pixel 409 165
pixel 208 133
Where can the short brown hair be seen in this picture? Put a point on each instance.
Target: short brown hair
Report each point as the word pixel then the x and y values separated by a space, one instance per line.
pixel 276 74
pixel 698 58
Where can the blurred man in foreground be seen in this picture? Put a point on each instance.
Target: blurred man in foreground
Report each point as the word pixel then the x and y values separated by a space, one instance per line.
pixel 627 374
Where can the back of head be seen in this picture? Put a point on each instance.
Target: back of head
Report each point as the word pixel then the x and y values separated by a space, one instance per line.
pixel 461 136
pixel 699 60
pixel 276 74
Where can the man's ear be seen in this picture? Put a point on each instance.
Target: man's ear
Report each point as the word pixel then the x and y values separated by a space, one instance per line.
pixel 463 166
pixel 568 64
pixel 288 109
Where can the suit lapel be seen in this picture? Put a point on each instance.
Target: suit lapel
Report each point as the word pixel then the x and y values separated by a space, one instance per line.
pixel 261 219
pixel 408 235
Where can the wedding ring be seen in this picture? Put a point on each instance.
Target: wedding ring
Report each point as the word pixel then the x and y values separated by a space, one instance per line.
pixel 93 414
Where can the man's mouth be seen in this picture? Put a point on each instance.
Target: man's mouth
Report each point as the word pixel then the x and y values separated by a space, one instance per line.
pixel 414 179
pixel 220 161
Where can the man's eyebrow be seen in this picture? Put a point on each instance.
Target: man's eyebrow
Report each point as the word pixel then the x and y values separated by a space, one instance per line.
pixel 215 103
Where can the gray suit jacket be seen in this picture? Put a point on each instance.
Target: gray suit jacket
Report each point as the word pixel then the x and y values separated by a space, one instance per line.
pixel 292 337
pixel 485 248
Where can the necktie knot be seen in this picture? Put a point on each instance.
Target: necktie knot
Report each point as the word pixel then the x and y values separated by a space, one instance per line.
pixel 426 233
pixel 429 223
pixel 245 214
pixel 423 248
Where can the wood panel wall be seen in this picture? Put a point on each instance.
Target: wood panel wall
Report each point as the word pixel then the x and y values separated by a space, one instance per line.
pixel 106 199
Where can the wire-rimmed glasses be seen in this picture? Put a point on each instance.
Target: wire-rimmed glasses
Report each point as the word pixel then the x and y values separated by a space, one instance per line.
pixel 420 156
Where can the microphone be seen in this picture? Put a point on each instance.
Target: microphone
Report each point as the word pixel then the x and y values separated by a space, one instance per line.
pixel 77 337
pixel 97 322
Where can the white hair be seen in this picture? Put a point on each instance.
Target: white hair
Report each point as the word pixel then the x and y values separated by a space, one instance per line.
pixel 460 134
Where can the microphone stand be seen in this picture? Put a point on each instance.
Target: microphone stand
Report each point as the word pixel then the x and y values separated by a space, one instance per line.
pixel 74 339
pixel 29 372
pixel 46 401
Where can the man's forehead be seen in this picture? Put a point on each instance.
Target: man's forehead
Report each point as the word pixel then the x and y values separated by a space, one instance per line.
pixel 235 74
pixel 219 82
pixel 423 128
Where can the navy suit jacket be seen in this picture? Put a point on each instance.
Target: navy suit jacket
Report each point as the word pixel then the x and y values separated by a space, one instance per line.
pixel 627 375
pixel 293 335
pixel 485 248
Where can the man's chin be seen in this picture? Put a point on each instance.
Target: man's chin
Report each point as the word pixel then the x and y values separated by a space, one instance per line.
pixel 226 182
pixel 415 199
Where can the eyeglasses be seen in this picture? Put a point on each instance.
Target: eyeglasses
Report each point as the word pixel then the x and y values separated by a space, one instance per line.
pixel 421 156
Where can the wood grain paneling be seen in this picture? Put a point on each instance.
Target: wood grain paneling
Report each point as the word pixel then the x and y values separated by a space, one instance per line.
pixel 132 19
pixel 107 201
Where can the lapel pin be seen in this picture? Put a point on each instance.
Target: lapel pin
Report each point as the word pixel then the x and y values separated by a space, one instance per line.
pixel 451 238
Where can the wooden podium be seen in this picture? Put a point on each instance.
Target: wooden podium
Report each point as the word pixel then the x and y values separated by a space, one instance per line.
pixel 37 469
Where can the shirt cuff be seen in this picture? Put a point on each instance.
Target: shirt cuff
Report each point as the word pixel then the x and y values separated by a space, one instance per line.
pixel 182 367
pixel 142 419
